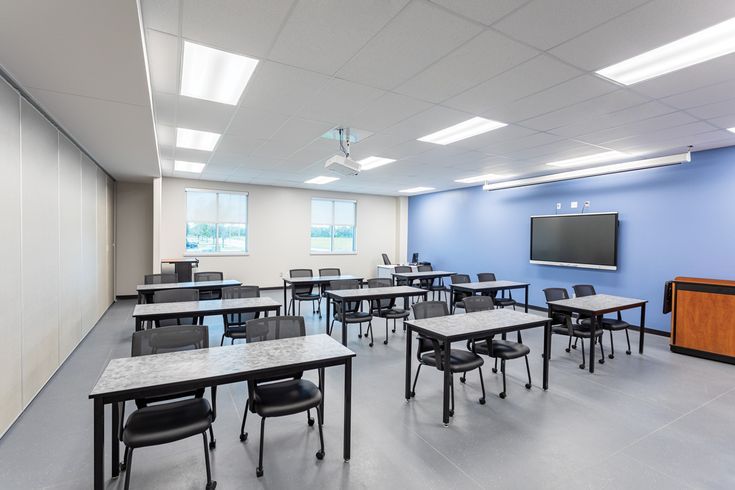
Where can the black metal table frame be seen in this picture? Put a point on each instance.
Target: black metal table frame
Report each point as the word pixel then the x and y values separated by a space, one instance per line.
pixel 320 281
pixel 406 275
pixel 141 319
pixel 146 296
pixel 185 386
pixel 494 289
pixel 545 322
pixel 596 319
pixel 332 297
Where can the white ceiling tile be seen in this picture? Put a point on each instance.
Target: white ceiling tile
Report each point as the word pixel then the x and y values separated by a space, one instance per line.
pixel 647 27
pixel 685 80
pixel 162 15
pixel 163 53
pixel 387 110
pixel 231 146
pixel 429 121
pixel 166 135
pixel 619 118
pixel 483 57
pixel 164 108
pixel 724 122
pixel 338 101
pixel 189 155
pixel 509 147
pixel 418 36
pixel 545 24
pixel 254 122
pixel 482 10
pixel 203 115
pixel 281 88
pixel 481 141
pixel 702 96
pixel 636 128
pixel 378 144
pixel 292 136
pixel 323 35
pixel 717 109
pixel 533 76
pixel 246 27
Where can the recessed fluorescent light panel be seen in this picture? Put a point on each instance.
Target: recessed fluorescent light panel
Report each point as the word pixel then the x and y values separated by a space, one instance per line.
pixel 701 46
pixel 463 130
pixel 603 157
pixel 593 171
pixel 212 74
pixel 414 190
pixel 321 180
pixel 481 178
pixel 193 167
pixel 732 130
pixel 196 140
pixel 374 162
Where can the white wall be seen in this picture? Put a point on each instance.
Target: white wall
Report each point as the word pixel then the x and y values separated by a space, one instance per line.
pixel 54 288
pixel 134 254
pixel 279 221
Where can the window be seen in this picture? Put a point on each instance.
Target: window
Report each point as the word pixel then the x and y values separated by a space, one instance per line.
pixel 216 222
pixel 333 226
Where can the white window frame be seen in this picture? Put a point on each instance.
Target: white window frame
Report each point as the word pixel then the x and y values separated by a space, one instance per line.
pixel 216 227
pixel 332 225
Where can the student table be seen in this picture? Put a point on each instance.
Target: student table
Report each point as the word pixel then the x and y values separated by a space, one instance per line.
pixel 320 281
pixel 491 287
pixel 146 291
pixel 468 326
pixel 412 276
pixel 595 306
pixel 145 376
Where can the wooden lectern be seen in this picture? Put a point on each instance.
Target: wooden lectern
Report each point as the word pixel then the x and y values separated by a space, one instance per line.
pixel 182 267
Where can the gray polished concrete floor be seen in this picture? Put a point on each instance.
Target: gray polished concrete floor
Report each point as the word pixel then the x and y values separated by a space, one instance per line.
pixel 659 420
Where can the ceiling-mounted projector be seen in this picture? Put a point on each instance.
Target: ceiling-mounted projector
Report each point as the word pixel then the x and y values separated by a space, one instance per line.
pixel 342 165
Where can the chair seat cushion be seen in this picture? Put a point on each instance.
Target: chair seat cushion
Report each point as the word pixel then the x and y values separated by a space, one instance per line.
pixel 392 313
pixel 167 422
pixel 607 324
pixel 504 301
pixel 459 360
pixel 307 296
pixel 503 349
pixel 285 397
pixel 235 329
pixel 356 317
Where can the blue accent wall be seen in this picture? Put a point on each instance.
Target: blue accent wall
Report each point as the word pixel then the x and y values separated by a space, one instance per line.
pixel 674 221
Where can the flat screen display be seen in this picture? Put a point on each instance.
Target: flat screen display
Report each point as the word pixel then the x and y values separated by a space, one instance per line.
pixel 575 240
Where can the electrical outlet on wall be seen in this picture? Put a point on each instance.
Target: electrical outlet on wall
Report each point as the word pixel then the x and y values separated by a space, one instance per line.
pixel 586 204
pixel 573 204
pixel 558 205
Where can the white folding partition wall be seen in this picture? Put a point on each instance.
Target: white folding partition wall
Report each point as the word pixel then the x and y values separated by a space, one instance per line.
pixel 56 217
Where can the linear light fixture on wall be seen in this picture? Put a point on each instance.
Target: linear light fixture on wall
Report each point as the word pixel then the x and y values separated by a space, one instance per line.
pixel 594 171
pixel 712 42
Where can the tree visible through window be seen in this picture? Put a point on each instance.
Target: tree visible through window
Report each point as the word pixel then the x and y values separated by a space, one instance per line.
pixel 333 226
pixel 216 222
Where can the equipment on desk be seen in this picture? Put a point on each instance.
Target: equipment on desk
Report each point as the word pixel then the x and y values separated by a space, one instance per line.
pixel 386 260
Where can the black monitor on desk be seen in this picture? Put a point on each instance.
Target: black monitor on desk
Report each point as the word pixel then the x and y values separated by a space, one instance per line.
pixel 415 258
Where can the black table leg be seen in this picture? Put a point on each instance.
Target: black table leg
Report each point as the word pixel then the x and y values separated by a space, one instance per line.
pixel 447 381
pixel 643 329
pixel 138 325
pixel 114 441
pixel 408 361
pixel 285 299
pixel 348 408
pixel 99 444
pixel 329 314
pixel 526 308
pixel 321 389
pixel 593 338
pixel 547 353
pixel 344 333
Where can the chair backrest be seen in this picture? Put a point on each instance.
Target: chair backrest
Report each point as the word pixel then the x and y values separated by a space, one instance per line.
pixel 329 271
pixel 240 292
pixel 349 306
pixel 555 294
pixel 460 278
pixel 301 289
pixel 424 268
pixel 486 277
pixel 169 339
pixel 584 290
pixel 401 269
pixel 430 309
pixel 385 303
pixel 274 328
pixel 161 278
pixel 208 276
pixel 386 260
pixel 478 303
pixel 176 296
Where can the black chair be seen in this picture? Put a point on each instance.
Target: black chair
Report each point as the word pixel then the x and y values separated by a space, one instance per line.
pixel 348 312
pixel 503 349
pixel 562 324
pixel 176 296
pixel 328 271
pixel 159 420
pixel 458 296
pixel 431 352
pixel 402 269
pixel 235 323
pixel 431 284
pixel 301 292
pixel 501 302
pixel 208 276
pixel 386 308
pixel 386 260
pixel 286 395
pixel 609 324
pixel 161 278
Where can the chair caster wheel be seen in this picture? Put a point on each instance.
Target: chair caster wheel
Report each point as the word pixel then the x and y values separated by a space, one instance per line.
pixel 243 437
pixel 311 422
pixel 259 472
pixel 502 395
pixel 370 344
pixel 574 347
pixel 212 485
pixel 482 401
pixel 495 371
pixel 394 330
pixel 610 356
pixel 385 342
pixel 581 366
pixel 462 379
pixel 567 350
pixel 601 361
pixel 212 444
pixel 413 394
pixel 627 352
pixel 320 455
pixel 528 386
pixel 122 467
pixel 451 413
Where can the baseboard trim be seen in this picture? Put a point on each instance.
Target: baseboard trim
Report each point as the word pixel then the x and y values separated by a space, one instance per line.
pixel 126 296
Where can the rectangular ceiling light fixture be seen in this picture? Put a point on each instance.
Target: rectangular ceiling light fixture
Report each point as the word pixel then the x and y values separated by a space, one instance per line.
pixel 593 171
pixel 414 190
pixel 482 178
pixel 603 157
pixel 374 162
pixel 701 46
pixel 215 75
pixel 322 179
pixel 196 140
pixel 463 130
pixel 732 130
pixel 192 167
